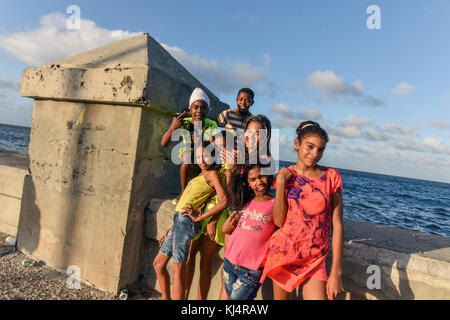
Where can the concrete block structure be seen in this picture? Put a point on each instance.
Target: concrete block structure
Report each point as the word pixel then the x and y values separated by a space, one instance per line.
pixel 95 156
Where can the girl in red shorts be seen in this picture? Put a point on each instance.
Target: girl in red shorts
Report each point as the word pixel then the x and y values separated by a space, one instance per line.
pixel 308 199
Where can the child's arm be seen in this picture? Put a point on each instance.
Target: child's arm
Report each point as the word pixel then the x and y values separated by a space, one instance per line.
pixel 220 119
pixel 280 203
pixel 177 122
pixel 230 224
pixel 334 284
pixel 212 178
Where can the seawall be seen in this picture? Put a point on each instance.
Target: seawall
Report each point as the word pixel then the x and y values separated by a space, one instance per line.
pixel 13 169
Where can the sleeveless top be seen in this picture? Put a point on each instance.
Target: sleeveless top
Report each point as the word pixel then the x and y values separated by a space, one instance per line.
pixel 196 193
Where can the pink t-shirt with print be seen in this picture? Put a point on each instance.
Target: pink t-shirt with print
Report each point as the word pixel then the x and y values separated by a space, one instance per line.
pixel 249 242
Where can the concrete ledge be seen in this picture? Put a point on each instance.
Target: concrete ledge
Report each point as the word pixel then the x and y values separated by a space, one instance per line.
pixel 13 169
pixel 412 265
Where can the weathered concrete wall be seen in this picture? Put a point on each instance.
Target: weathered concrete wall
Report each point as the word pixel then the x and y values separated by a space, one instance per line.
pixel 13 169
pixel 412 265
pixel 95 156
pixel 77 199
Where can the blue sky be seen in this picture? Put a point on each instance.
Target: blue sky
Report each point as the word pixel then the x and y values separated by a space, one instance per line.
pixel 383 95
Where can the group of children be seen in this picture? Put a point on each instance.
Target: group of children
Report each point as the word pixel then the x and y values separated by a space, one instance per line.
pixel 228 202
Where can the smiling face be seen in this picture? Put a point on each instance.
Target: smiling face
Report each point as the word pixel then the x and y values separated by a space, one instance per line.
pixel 310 149
pixel 199 110
pixel 257 182
pixel 244 101
pixel 252 135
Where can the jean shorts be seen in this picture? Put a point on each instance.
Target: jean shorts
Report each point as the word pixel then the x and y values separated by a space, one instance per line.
pixel 178 241
pixel 240 283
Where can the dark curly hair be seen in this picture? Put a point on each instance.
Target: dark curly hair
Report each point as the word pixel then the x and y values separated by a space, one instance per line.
pixel 239 191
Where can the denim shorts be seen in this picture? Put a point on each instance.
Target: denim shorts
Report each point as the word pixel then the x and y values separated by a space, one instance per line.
pixel 240 283
pixel 178 241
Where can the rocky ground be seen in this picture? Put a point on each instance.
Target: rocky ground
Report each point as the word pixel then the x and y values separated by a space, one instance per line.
pixel 44 283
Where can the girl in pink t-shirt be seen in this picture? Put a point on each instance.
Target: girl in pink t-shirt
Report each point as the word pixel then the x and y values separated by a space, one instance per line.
pixel 251 226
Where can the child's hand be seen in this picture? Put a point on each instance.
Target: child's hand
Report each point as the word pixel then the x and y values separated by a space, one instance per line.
pixel 189 211
pixel 334 286
pixel 160 241
pixel 177 122
pixel 284 175
pixel 211 229
pixel 230 224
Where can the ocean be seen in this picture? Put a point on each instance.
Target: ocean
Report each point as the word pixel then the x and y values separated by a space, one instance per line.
pixel 406 203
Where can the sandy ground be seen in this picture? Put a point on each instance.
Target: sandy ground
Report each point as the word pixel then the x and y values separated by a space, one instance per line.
pixel 44 283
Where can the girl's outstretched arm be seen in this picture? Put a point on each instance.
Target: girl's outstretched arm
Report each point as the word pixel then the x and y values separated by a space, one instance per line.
pixel 280 203
pixel 334 284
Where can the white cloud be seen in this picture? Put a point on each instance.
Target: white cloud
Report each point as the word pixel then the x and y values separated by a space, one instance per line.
pixel 351 132
pixel 285 122
pixel 224 79
pixel 404 89
pixel 377 134
pixel 333 86
pixel 434 145
pixel 329 83
pixel 310 114
pixel 52 41
pixel 291 118
pixel 439 124
pixel 427 145
pixel 282 109
pixel 399 129
pixel 334 139
pixel 355 121
pixel 361 149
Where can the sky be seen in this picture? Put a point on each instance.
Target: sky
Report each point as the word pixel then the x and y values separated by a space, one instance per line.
pixel 376 80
